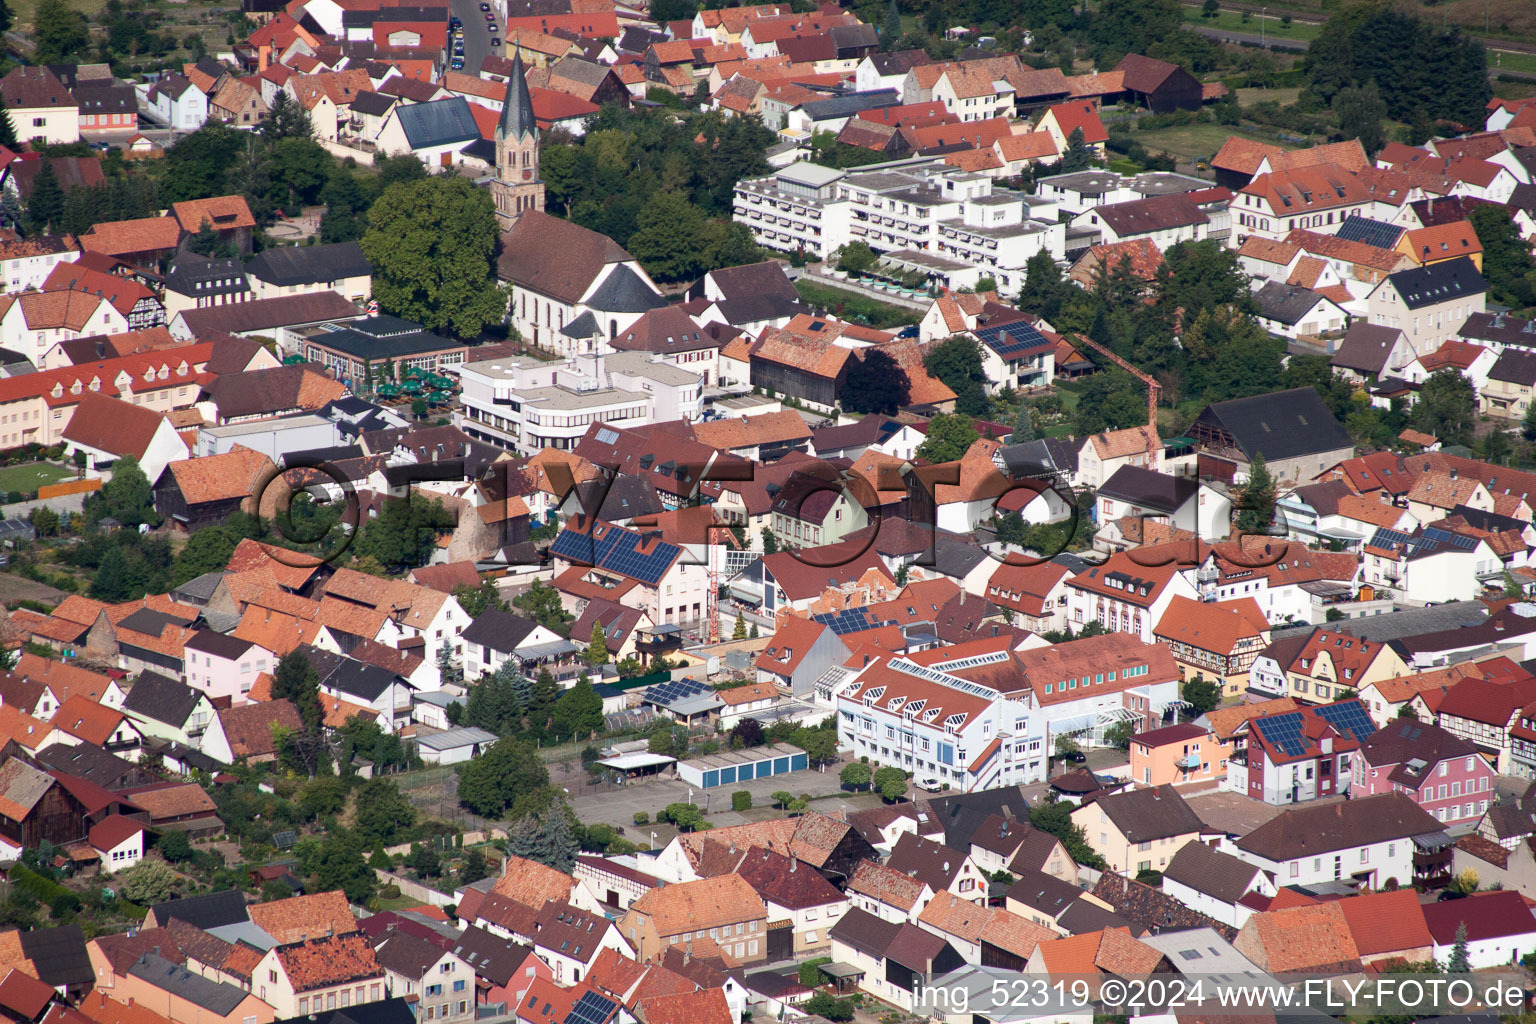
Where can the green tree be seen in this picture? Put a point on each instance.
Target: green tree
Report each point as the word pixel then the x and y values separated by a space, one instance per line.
pixel 874 383
pixel 198 166
pixel 431 243
pixel 1078 156
pixel 1407 711
pixel 1201 694
pixel 295 680
pixel 542 694
pixel 286 119
pixel 7 130
pixel 855 257
pixel 855 775
pixel 1458 962
pixel 324 797
pixel 345 208
pixel 890 31
pixel 425 861
pixel 1066 746
pixel 44 520
pixel 890 782
pixel 1119 735
pixel 1255 500
pixel 1360 110
pixel 174 846
pixel 957 362
pixel 597 646
pixel 207 550
pixel 1528 424
pixel 1056 819
pixel 949 437
pixel 59 32
pixel 404 533
pixel 148 882
pixel 509 777
pixel 477 600
pixel 541 603
pixel 666 239
pixel 1210 9
pixel 383 813
pixel 1507 262
pixel 45 206
pixel 474 868
pixel 336 861
pixel 739 632
pixel 546 838
pixel 1447 407
pixel 113 580
pixel 822 1004
pixel 579 710
pixel 1044 288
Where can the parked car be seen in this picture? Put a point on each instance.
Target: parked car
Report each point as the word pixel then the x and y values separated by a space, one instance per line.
pixel 485 7
pixel 457 64
pixel 495 41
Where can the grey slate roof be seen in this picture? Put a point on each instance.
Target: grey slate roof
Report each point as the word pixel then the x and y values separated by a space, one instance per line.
pixel 584 326
pixel 206 910
pixel 847 106
pixel 1282 425
pixel 1438 282
pixel 438 123
pixel 1209 871
pixel 622 291
pixel 162 698
pixel 1515 366
pixel 517 118
pixel 1143 815
pixel 309 264
pixel 59 955
pixel 1285 303
pixel 216 997
pixel 375 104
pixel 192 275
pixel 1365 347
pixel 498 630
pixel 1150 489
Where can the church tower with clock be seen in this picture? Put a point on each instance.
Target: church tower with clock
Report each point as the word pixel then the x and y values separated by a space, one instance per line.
pixel 517 187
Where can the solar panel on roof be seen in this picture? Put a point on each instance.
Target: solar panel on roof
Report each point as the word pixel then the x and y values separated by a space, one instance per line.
pixel 1349 718
pixel 1012 339
pixel 1284 731
pixel 591 1008
pixel 1371 232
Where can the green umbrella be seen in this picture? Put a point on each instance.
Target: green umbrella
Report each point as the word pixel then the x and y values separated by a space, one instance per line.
pixel 439 398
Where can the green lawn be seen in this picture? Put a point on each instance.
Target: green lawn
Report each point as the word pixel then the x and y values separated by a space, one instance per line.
pixel 1507 60
pixel 1194 141
pixel 1303 32
pixel 31 476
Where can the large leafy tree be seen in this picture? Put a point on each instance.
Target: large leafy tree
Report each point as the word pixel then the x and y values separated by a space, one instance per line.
pixel 1255 504
pixel 1507 262
pixel 45 206
pixel 667 237
pixel 127 497
pixel 874 383
pixel 384 815
pixel 432 243
pixel 296 680
pixel 1360 110
pixel 508 780
pixel 59 32
pixel 199 164
pixel 949 437
pixel 1447 407
pixel 579 710
pixel 957 362
pixel 405 531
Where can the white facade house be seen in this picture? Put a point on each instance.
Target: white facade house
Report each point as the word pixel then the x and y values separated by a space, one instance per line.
pixel 1428 304
pixel 225 666
pixel 176 101
pixel 26 263
pixel 1371 839
pixel 796 209
pixel 529 405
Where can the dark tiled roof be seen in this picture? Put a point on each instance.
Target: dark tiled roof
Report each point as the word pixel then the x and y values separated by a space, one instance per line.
pixel 162 698
pixel 438 123
pixel 555 257
pixel 309 264
pixel 1285 303
pixel 1143 815
pixel 1314 831
pixel 1281 425
pixel 1438 282
pixel 1206 870
pixel 1149 488
pixel 623 291
pixel 1151 909
pixel 865 932
pixel 1365 347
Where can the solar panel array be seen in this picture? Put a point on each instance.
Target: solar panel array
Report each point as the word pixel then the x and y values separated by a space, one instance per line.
pixel 1283 731
pixel 1426 542
pixel 591 1008
pixel 617 550
pixel 675 690
pixel 1013 339
pixel 1348 717
pixel 851 620
pixel 1372 232
pixel 961 664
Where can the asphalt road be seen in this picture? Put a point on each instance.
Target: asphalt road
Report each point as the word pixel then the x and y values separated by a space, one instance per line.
pixel 477 39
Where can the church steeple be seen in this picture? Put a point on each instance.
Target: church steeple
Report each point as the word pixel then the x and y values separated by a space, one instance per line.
pixel 517 187
pixel 517 117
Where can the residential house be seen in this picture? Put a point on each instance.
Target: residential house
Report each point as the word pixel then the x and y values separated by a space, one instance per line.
pixel 795 892
pixel 1158 85
pixel 246 731
pixel 1429 304
pixel 1300 755
pixel 1374 840
pixel 40 108
pixel 1138 829
pixel 725 909
pixel 168 709
pixel 1443 772
pixel 1220 638
pixel 940 868
pixel 1104 453
pixel 337 970
pixel 1294 431
pixel 1498 928
pixel 1215 883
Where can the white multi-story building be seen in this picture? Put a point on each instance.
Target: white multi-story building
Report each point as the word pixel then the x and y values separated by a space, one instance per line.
pixel 528 405
pixel 797 208
pixel 945 221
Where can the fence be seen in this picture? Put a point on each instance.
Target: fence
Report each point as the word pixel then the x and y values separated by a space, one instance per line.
pixel 58 490
pixel 415 890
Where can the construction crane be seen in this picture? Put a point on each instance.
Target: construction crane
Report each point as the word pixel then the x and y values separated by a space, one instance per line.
pixel 1153 387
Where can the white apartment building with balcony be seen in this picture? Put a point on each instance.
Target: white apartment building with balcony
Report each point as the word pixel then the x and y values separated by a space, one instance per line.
pixel 527 405
pixel 952 223
pixel 795 208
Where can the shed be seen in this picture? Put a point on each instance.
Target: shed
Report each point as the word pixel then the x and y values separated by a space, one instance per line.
pixel 733 766
pixel 454 746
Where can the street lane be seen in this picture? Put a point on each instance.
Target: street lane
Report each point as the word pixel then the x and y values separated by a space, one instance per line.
pixel 477 40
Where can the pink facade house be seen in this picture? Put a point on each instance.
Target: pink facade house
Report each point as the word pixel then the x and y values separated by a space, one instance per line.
pixel 225 666
pixel 1442 772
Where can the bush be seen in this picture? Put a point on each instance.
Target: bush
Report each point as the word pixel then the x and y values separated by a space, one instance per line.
pixel 741 801
pixel 642 818
pixel 390 892
pixel 64 905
